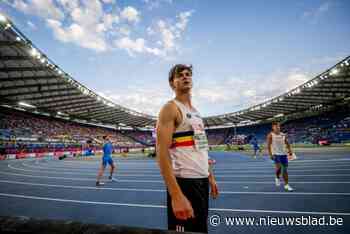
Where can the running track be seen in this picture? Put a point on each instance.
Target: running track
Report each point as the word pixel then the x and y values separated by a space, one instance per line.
pixel 65 190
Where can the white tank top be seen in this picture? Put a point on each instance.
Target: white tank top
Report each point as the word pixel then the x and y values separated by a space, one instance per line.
pixel 189 150
pixel 278 146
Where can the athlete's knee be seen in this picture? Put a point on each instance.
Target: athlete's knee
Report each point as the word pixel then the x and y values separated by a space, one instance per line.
pixel 284 169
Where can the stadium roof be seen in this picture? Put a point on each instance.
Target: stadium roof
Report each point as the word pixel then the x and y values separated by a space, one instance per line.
pixel 28 78
pixel 329 88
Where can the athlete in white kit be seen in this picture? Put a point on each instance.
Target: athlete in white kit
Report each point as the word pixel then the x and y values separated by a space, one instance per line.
pixel 182 151
pixel 277 146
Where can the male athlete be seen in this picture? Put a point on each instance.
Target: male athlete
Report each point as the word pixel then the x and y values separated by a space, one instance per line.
pixel 277 144
pixel 106 159
pixel 255 146
pixel 182 153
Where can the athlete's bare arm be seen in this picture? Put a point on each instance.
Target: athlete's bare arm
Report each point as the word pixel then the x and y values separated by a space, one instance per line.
pixel 165 128
pixel 214 190
pixel 289 148
pixel 97 141
pixel 269 143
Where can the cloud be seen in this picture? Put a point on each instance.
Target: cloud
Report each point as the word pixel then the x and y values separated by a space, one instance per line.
pixel 90 24
pixel 109 1
pixel 314 15
pixel 136 46
pixel 166 38
pixel 32 25
pixel 170 33
pixel 237 93
pixel 153 4
pixel 210 96
pixel 148 100
pixel 42 8
pixel 130 14
pixel 77 34
pixel 167 35
pixel 183 20
pixel 125 31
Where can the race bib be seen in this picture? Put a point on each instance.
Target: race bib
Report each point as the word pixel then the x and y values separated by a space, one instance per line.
pixel 200 138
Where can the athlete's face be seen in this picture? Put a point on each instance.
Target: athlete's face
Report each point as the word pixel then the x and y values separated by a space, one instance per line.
pixel 182 80
pixel 276 128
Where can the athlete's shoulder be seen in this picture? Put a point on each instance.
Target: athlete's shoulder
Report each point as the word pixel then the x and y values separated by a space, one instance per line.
pixel 169 105
pixel 168 111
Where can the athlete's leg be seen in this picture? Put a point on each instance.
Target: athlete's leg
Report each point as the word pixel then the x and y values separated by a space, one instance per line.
pixel 112 165
pixel 278 170
pixel 100 172
pixel 284 163
pixel 284 173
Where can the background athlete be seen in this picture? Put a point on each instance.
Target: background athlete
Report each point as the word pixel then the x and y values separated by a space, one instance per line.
pixel 255 146
pixel 106 159
pixel 277 146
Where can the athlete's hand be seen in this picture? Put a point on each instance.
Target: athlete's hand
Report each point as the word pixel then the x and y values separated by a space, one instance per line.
pixel 182 208
pixel 214 190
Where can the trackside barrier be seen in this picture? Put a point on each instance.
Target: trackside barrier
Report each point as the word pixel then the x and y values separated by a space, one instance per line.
pixel 10 225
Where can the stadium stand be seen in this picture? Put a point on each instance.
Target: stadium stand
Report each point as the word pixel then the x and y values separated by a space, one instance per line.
pixel 23 133
pixel 143 137
pixel 328 127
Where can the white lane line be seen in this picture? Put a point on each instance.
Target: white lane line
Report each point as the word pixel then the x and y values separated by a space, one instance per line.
pixel 79 201
pixel 218 167
pixel 226 169
pixel 78 173
pixel 163 207
pixel 162 190
pixel 322 160
pixel 77 179
pixel 152 163
pixel 156 172
pixel 234 166
pixel 161 181
pixel 142 175
pixel 81 187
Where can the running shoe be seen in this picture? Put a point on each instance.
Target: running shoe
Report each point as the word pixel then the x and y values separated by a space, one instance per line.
pixel 98 183
pixel 288 188
pixel 277 182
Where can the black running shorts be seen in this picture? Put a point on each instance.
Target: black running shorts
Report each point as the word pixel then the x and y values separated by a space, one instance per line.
pixel 197 192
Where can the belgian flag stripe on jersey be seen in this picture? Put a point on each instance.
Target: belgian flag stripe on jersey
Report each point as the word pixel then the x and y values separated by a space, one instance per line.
pixel 183 139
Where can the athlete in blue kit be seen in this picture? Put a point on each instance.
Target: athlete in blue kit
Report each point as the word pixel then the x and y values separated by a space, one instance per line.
pixel 106 159
pixel 255 146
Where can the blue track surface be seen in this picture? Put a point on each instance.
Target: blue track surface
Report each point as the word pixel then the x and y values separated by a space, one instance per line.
pixel 66 190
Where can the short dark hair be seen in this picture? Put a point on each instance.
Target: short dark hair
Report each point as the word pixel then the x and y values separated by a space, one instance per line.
pixel 178 68
pixel 275 123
